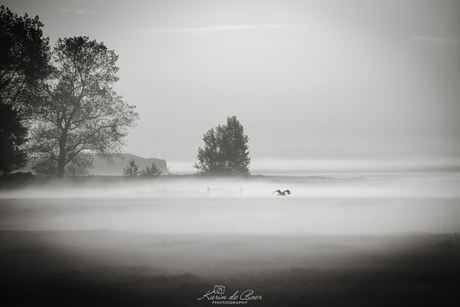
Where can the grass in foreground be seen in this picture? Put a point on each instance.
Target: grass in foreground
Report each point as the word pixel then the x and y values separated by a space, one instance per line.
pixel 104 268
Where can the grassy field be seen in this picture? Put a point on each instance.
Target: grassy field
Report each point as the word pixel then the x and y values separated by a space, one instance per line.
pixel 109 268
pixel 333 242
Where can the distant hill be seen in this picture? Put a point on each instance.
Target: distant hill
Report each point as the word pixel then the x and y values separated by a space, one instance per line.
pixel 101 167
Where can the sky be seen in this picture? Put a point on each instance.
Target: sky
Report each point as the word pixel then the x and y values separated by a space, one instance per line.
pixel 317 85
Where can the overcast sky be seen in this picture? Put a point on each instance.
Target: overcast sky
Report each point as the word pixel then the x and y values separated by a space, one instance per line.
pixel 312 82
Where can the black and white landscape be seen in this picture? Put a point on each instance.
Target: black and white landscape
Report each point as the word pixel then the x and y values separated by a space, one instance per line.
pixel 143 144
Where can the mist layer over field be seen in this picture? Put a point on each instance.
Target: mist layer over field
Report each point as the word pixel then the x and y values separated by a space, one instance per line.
pixel 378 204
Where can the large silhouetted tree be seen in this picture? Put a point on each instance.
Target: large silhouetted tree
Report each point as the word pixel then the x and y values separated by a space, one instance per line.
pixel 24 60
pixel 12 138
pixel 225 151
pixel 24 66
pixel 82 113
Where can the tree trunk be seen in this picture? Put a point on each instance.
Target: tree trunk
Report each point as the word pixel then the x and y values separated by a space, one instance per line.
pixel 62 153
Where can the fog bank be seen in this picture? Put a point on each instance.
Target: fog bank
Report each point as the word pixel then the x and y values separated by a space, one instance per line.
pixel 445 184
pixel 378 204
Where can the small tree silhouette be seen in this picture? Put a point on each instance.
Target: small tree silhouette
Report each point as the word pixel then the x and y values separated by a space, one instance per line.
pixel 131 171
pixel 150 172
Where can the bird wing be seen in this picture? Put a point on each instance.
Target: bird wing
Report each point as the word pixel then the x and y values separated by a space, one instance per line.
pixel 287 191
pixel 277 191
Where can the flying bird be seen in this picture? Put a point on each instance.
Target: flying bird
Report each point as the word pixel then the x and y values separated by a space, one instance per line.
pixel 282 193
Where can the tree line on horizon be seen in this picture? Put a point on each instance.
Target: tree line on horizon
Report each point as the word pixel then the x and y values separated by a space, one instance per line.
pixel 59 105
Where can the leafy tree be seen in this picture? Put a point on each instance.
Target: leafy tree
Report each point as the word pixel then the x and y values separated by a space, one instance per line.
pixel 132 170
pixel 225 151
pixel 24 65
pixel 12 138
pixel 82 113
pixel 24 60
pixel 151 172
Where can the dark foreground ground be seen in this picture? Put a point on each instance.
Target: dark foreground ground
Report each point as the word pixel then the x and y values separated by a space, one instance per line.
pixel 110 268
